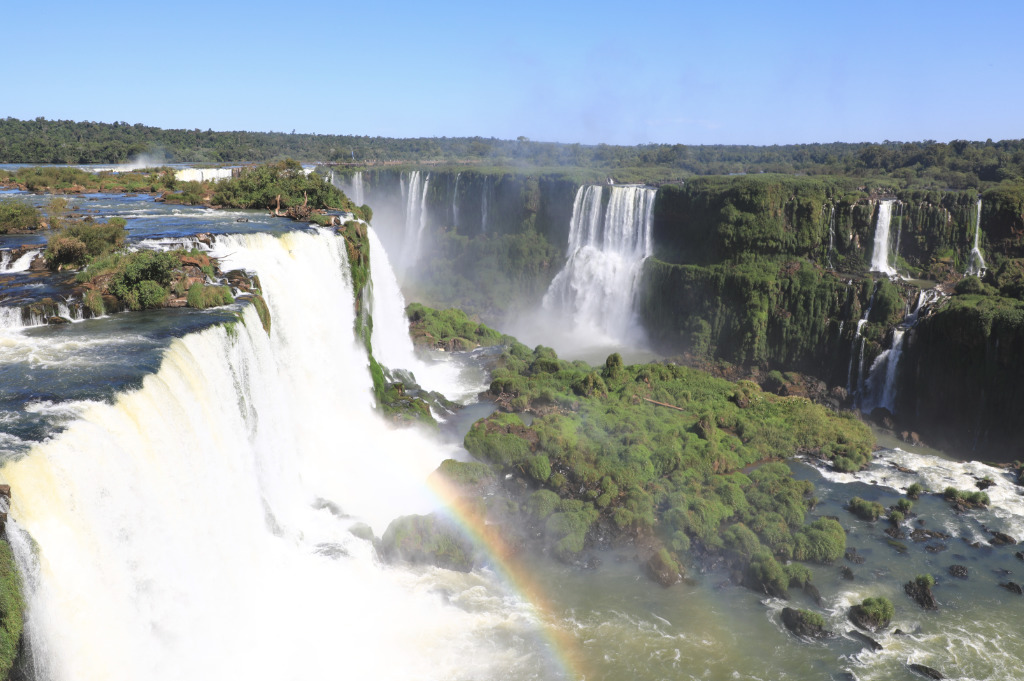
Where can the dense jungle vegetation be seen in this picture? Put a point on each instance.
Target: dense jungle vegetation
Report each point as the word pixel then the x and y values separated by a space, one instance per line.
pixel 958 164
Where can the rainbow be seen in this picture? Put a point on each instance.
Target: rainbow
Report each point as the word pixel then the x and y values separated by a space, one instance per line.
pixel 562 643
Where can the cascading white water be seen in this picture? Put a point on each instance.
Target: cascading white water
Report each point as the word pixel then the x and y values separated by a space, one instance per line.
pixel 455 203
pixel 358 193
pixel 414 197
pixel 483 205
pixel 596 289
pixel 19 264
pixel 976 263
pixel 199 527
pixel 390 339
pixel 881 382
pixel 882 250
pixel 831 233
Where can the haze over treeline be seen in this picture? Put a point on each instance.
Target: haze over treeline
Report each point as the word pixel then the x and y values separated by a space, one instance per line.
pixel 957 164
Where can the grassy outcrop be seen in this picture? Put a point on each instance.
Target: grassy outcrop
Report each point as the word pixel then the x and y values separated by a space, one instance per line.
pixel 17 216
pixel 12 609
pixel 450 329
pixel 873 613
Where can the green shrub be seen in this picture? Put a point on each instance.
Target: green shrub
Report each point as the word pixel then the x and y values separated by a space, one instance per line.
pixel 877 612
pixel 201 296
pixel 17 215
pixel 865 510
pixel 93 300
pixel 915 489
pixel 823 541
pixel 969 285
pixel 968 498
pixel 64 252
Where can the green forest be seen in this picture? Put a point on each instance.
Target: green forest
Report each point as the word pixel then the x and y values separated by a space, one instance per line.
pixel 958 164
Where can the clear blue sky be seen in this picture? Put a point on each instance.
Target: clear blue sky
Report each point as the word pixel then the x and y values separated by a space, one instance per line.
pixel 590 72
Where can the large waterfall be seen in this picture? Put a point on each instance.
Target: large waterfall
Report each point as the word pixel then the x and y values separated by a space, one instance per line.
pixel 199 527
pixel 608 241
pixel 880 254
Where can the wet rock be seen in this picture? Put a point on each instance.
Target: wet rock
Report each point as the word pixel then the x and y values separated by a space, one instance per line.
pixel 921 591
pixel 663 568
pixel 935 548
pixel 1001 539
pixel 910 437
pixel 813 592
pixel 958 571
pixel 847 573
pixel 1013 587
pixel 865 639
pixel 804 623
pixel 984 483
pixel 926 672
pixel 882 417
pixel 1019 555
pixel 429 540
pixel 920 534
pixel 853 556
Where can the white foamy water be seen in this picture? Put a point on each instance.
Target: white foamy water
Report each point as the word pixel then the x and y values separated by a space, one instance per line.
pixel 19 264
pixel 199 527
pixel 594 295
pixel 392 345
pixel 882 250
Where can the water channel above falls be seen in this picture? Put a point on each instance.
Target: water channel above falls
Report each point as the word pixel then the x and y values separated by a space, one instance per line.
pixel 199 586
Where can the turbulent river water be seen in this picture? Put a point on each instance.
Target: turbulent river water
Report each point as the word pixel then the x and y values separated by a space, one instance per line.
pixel 185 495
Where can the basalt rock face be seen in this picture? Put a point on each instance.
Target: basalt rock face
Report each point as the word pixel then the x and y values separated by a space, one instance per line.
pixel 960 377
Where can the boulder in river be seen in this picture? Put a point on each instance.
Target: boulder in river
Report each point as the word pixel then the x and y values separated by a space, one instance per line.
pixel 926 672
pixel 1013 587
pixel 805 623
pixel 920 589
pixel 958 571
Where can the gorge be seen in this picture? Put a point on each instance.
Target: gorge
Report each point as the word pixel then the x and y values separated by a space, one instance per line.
pixel 195 511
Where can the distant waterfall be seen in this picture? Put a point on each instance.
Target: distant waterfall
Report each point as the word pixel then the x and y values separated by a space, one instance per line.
pixel 357 194
pixel 455 203
pixel 352 186
pixel 198 527
pixel 880 255
pixel 881 383
pixel 976 263
pixel 858 337
pixel 608 243
pixel 831 233
pixel 414 197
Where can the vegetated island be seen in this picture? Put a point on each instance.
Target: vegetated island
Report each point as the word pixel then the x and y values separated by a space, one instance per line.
pixel 665 462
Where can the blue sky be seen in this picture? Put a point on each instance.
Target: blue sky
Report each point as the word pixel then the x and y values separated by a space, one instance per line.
pixel 620 73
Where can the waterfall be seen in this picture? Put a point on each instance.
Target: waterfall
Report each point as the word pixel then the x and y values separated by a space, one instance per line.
pixel 414 197
pixel 10 265
pixel 199 526
pixel 483 205
pixel 393 347
pixel 881 252
pixel 831 233
pixel 976 263
pixel 881 383
pixel 858 337
pixel 596 289
pixel 455 203
pixel 357 194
